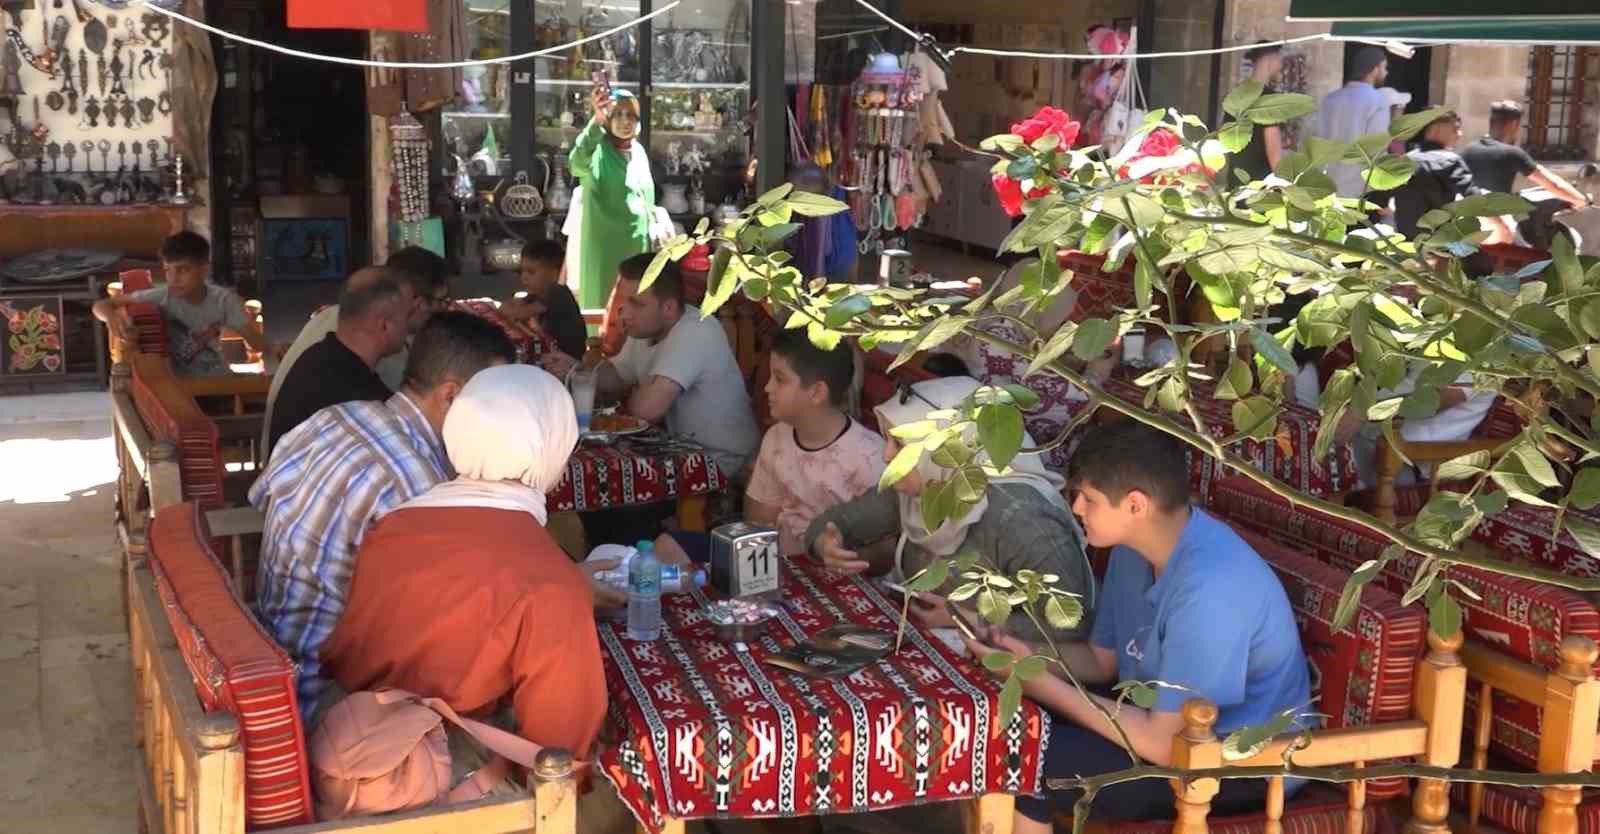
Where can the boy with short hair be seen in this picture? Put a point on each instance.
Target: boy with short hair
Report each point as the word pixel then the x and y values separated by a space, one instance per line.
pixel 1186 602
pixel 195 309
pixel 549 300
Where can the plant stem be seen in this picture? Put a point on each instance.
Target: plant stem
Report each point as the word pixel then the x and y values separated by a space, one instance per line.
pixel 1330 774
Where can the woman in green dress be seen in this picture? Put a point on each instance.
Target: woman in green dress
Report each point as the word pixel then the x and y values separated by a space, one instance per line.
pixel 618 194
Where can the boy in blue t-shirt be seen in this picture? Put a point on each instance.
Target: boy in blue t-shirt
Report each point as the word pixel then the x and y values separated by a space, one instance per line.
pixel 1186 602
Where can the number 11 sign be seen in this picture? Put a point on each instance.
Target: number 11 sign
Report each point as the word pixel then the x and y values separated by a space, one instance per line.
pixel 745 559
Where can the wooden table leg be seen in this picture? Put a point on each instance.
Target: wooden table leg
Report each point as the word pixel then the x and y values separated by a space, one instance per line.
pixel 692 513
pixel 991 813
pixel 672 825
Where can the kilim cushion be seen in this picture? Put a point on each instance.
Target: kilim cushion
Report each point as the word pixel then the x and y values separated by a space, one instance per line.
pixel 1517 809
pixel 1526 620
pixel 237 667
pixel 170 414
pixel 1362 675
pixel 150 328
pixel 1315 810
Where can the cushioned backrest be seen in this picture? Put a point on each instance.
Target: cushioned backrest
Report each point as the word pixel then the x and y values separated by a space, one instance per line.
pixel 171 414
pixel 1100 294
pixel 150 328
pixel 237 667
pixel 1525 620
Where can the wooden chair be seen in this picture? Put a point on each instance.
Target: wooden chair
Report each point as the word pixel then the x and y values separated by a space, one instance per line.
pixel 221 749
pixel 1513 624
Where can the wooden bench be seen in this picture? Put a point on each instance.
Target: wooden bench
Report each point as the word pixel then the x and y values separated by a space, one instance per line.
pixel 1520 637
pixel 221 749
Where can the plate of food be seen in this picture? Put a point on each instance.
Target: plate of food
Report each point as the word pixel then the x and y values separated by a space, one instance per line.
pixel 608 427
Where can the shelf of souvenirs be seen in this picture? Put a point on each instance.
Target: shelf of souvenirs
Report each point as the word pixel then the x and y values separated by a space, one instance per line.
pixel 468 114
pixel 654 133
pixel 659 85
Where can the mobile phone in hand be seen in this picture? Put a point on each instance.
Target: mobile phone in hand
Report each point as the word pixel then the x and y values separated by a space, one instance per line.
pixel 967 627
pixel 602 81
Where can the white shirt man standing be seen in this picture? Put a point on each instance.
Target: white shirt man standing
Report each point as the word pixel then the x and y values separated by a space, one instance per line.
pixel 1352 111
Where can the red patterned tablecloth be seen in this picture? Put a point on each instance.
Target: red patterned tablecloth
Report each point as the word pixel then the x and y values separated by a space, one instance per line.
pixel 531 342
pixel 710 732
pixel 643 469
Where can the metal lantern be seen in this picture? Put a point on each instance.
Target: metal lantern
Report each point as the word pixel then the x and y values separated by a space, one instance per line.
pixel 408 141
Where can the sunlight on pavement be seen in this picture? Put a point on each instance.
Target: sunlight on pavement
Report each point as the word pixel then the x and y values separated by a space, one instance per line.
pixel 38 470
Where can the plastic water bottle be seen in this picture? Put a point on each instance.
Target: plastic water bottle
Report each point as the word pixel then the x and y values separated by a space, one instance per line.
pixel 644 593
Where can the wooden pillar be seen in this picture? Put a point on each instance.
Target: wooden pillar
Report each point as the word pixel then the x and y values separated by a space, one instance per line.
pixel 166 487
pixel 1195 748
pixel 555 792
pixel 1441 702
pixel 1385 499
pixel 1567 737
pixel 218 780
pixel 992 813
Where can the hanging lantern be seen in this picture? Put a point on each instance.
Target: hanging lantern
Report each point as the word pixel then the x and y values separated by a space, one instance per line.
pixel 408 141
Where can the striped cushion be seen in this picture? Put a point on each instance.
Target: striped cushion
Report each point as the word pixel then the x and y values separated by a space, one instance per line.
pixel 237 668
pixel 1315 810
pixel 1526 620
pixel 1517 809
pixel 170 414
pixel 150 327
pixel 1363 675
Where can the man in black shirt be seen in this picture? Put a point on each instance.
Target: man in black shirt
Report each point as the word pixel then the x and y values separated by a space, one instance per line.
pixel 1496 160
pixel 549 301
pixel 1441 179
pixel 373 311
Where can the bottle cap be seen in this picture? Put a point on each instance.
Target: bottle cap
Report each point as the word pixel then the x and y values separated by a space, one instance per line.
pixel 645 546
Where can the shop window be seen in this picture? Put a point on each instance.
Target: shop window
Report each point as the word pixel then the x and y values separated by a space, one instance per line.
pixel 477 122
pixel 1557 76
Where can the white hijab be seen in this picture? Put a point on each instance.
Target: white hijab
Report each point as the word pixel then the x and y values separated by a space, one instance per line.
pixel 935 395
pixel 509 435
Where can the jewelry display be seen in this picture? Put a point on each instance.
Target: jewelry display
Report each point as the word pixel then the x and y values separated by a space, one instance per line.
pixel 91 110
pixel 147 62
pixel 110 112
pixel 71 152
pixel 156 28
pixel 408 142
pixel 105 154
pixel 178 197
pixel 147 110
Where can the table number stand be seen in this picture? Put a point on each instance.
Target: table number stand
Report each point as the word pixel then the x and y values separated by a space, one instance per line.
pixel 745 560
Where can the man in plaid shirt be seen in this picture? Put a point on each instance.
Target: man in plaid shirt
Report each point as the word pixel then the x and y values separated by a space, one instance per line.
pixel 332 476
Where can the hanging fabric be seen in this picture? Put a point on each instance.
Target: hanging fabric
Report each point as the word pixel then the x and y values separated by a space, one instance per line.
pixel 393 15
pixel 445 39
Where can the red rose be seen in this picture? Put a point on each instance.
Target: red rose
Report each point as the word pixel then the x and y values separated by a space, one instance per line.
pixel 1047 121
pixel 1160 143
pixel 1011 197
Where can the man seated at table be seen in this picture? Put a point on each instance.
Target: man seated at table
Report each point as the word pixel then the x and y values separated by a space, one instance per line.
pixel 548 300
pixel 813 458
pixel 373 312
pixel 331 476
pixel 1020 522
pixel 1186 602
pixel 1461 409
pixel 195 310
pixel 462 594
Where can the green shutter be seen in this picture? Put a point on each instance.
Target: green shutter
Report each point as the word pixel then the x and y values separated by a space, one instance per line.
pixel 1437 9
pixel 1478 30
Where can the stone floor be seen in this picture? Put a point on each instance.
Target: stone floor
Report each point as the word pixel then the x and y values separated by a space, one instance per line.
pixel 66 729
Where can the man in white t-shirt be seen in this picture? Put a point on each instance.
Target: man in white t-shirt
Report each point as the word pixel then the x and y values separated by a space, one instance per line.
pixel 678 367
pixel 1461 409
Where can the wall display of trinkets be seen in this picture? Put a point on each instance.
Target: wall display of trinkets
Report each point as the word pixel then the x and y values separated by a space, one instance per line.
pixel 408 144
pixel 882 160
pixel 85 107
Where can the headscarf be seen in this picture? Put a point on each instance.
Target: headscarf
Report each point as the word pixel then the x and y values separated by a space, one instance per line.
pixel 923 399
pixel 509 435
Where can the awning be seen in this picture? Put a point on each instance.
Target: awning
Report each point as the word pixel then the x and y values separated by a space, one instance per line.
pixel 1354 10
pixel 1475 30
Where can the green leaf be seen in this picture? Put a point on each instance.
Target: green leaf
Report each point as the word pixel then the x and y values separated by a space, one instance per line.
pixel 1240 98
pixel 1235 136
pixel 1350 597
pixel 1510 475
pixel 1000 432
pixel 1272 351
pixel 1585 493
pixel 962 593
pixel 1389 173
pixel 993 606
pixel 847 308
pixel 1473 334
pixel 1025 398
pixel 1144 278
pixel 1567 265
pixel 1489 205
pixel 822 337
pixel 1010 700
pixel 1257 417
pixel 1277 108
pixel 807 204
pixel 1535 464
pixel 722 282
pixel 1053 349
pixel 775 196
pixel 1030 667
pixel 1093 337
pixel 1063 613
pixel 1468 466
pixel 904 461
pixel 1444 616
pixel 1005 142
pixel 1237 383
pixel 1142 694
pixel 995 661
pixel 1420 404
pixel 658 263
pixel 1492 503
pixel 943 331
pixel 930 578
pixel 1585 532
pixel 1412 124
pixel 1323 151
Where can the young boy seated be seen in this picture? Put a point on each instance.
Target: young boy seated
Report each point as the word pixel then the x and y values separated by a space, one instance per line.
pixel 195 309
pixel 549 301
pixel 813 458
pixel 1186 602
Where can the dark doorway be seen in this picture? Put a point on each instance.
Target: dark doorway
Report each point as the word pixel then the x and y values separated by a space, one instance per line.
pixel 1408 75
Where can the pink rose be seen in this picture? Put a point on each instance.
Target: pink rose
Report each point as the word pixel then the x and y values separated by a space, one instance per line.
pixel 1048 120
pixel 1161 142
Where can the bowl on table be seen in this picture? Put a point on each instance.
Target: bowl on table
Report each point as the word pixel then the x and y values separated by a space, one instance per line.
pixel 739 621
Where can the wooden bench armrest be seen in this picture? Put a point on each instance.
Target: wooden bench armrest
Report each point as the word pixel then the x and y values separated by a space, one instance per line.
pixel 236 521
pixel 1389 462
pixel 228 385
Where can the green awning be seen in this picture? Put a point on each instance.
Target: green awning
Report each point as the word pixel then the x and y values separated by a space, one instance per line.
pixel 1475 30
pixel 1351 10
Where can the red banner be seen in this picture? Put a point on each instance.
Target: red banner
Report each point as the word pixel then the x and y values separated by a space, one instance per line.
pixel 391 15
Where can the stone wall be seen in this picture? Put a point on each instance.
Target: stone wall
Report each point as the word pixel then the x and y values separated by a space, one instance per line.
pixel 1474 76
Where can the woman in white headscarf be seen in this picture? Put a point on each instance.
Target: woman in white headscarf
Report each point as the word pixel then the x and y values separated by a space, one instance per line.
pixel 461 594
pixel 1020 523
